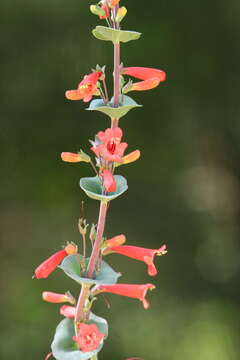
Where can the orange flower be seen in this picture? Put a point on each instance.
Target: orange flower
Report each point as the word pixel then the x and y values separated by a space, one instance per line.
pixel 86 88
pixel 110 148
pixel 129 158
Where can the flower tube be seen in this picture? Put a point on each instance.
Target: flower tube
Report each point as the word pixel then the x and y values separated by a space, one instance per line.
pixel 130 290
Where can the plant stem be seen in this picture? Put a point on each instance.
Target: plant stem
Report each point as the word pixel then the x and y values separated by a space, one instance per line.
pixel 100 229
pixel 80 309
pixel 94 357
pixel 84 245
pixel 105 90
pixel 116 74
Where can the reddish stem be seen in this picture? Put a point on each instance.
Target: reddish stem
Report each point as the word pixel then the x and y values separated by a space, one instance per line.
pixel 99 235
pixel 80 308
pixel 116 74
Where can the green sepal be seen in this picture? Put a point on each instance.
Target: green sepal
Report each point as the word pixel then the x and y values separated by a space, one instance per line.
pixel 116 36
pixel 72 268
pixel 63 346
pixel 126 105
pixel 92 186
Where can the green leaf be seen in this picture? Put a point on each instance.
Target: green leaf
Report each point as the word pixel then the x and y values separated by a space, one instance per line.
pixel 63 346
pixel 72 268
pixel 114 112
pixel 93 188
pixel 116 36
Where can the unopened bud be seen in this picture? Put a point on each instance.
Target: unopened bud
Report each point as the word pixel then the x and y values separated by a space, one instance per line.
pixel 71 249
pixel 122 11
pixel 58 298
pixel 113 3
pixel 71 157
pixel 74 158
pixel 68 311
pixel 97 10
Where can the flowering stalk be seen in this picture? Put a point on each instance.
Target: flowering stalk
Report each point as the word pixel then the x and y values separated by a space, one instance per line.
pixel 97 244
pixel 81 334
pixel 116 74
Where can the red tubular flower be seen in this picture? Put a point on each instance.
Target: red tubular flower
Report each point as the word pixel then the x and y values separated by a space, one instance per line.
pixel 130 290
pixel 139 253
pixel 143 73
pixel 68 311
pixel 56 298
pixel 111 148
pixel 86 88
pixel 151 78
pixel 89 337
pixel 49 265
pixel 109 182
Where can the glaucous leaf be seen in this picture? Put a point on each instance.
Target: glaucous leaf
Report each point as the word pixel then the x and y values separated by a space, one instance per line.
pixel 114 112
pixel 116 36
pixel 92 186
pixel 63 346
pixel 72 268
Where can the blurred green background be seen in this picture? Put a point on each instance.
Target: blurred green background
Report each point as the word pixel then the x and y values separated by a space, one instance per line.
pixel 184 191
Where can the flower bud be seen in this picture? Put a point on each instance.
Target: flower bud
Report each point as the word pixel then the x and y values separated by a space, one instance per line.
pixel 97 10
pixel 106 10
pixel 109 182
pixel 122 11
pixel 57 298
pixel 113 3
pixel 71 157
pixel 71 249
pixel 74 158
pixel 68 311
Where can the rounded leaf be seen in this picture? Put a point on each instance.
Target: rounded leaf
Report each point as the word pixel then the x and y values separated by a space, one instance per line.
pixel 63 346
pixel 114 112
pixel 114 35
pixel 72 268
pixel 92 186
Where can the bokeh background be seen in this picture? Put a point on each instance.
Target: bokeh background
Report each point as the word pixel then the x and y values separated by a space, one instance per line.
pixel 184 191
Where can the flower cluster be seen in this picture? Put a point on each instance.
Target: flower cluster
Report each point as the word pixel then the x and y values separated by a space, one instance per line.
pixel 80 335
